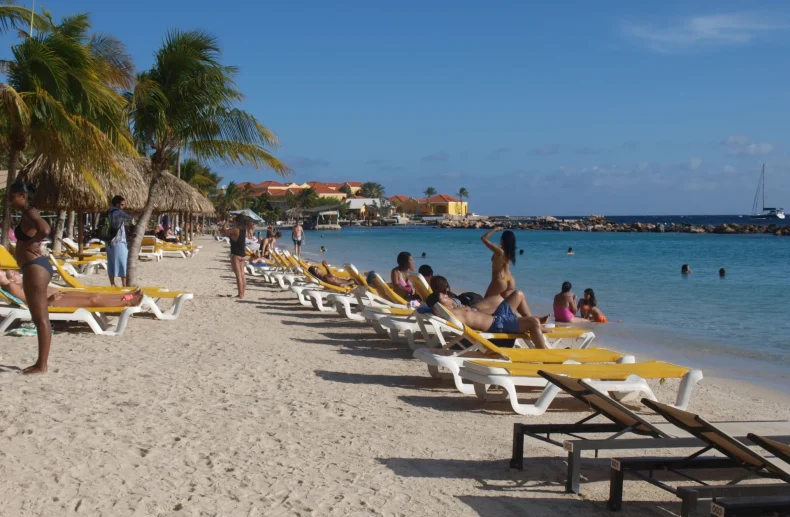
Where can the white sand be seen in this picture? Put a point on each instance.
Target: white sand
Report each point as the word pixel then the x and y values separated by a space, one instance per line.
pixel 262 407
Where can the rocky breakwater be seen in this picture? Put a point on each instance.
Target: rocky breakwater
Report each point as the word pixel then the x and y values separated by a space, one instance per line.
pixel 599 224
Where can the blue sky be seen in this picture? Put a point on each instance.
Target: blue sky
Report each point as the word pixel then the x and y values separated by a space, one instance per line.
pixel 570 108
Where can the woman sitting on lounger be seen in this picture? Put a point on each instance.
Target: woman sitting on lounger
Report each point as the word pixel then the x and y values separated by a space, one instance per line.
pixel 401 283
pixel 503 321
pixel 327 276
pixel 267 245
pixel 11 281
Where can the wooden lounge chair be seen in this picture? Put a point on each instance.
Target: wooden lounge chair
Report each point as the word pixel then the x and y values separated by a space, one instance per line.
pixel 736 455
pixel 625 430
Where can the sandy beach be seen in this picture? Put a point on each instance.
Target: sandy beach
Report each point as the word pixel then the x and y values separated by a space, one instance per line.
pixel 263 407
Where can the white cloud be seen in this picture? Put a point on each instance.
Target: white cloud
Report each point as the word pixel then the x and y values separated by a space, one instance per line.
pixel 742 146
pixel 694 163
pixel 725 29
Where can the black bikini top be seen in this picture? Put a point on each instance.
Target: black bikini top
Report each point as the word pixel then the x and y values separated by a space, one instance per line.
pixel 21 235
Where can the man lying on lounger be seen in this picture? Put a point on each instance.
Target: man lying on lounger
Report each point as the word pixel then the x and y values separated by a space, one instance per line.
pixel 504 320
pixel 11 282
pixel 328 277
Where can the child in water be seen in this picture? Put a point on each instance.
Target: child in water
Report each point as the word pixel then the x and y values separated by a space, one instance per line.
pixel 588 308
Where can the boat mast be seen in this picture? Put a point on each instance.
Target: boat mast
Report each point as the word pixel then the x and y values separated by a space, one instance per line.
pixel 763 182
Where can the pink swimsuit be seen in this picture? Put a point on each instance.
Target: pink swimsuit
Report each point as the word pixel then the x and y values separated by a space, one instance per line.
pixel 563 314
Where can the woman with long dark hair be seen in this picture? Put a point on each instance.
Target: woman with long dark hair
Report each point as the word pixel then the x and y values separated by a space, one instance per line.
pixel 401 283
pixel 238 250
pixel 502 281
pixel 35 267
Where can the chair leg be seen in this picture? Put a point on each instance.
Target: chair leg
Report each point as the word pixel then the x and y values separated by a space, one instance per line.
pixel 615 502
pixel 517 459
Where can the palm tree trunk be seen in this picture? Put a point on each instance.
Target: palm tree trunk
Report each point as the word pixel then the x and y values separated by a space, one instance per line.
pixel 59 227
pixel 13 158
pixel 139 232
pixel 81 231
pixel 70 225
pixel 178 175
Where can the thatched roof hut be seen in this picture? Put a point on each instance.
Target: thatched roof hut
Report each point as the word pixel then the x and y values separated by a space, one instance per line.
pixel 64 189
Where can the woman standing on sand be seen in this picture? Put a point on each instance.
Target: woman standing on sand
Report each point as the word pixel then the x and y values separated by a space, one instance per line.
pixel 238 250
pixel 37 270
pixel 502 281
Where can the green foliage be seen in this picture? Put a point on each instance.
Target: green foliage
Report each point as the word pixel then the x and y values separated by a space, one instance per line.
pixel 187 100
pixel 347 190
pixel 372 190
pixel 61 98
pixel 429 192
pixel 308 198
pixel 463 194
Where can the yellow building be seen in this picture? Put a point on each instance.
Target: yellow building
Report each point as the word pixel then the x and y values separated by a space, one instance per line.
pixel 440 204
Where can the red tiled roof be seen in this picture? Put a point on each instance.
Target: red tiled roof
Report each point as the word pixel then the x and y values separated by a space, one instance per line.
pixel 333 185
pixel 353 183
pixel 442 198
pixel 323 189
pixel 267 184
pixel 400 198
pixel 283 192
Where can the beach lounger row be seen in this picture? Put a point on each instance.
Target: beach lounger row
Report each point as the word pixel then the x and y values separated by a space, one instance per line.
pixel 477 365
pixel 598 378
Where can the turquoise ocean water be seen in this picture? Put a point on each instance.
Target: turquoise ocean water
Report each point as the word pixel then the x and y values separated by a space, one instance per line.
pixel 737 326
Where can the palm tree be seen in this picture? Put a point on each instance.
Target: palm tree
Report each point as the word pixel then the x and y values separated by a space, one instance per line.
pixel 308 198
pixel 229 200
pixel 61 99
pixel 345 189
pixel 200 177
pixel 247 195
pixel 186 101
pixel 372 190
pixel 463 193
pixel 429 192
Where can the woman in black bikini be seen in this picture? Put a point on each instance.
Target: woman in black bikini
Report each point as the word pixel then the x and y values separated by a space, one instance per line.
pixel 35 267
pixel 238 250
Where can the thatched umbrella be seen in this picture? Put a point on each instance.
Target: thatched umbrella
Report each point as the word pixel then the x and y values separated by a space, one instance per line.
pixel 60 188
pixel 64 189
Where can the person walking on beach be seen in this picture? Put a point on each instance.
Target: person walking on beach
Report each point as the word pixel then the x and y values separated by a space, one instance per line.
pixel 35 267
pixel 297 235
pixel 117 250
pixel 238 250
pixel 502 281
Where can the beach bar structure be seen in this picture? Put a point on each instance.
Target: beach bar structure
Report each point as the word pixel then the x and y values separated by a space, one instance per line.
pixel 320 218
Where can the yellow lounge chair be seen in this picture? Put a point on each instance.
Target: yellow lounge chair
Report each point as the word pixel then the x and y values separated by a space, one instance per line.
pixel 94 317
pixel 456 354
pixel 151 295
pixel 619 378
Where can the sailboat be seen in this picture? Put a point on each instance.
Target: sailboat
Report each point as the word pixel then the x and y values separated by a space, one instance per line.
pixel 766 212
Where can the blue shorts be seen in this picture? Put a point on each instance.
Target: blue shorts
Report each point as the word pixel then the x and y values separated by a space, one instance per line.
pixel 117 256
pixel 505 322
